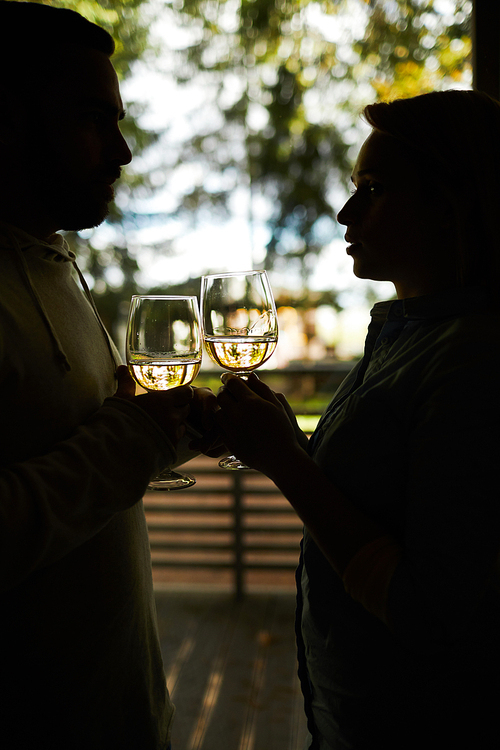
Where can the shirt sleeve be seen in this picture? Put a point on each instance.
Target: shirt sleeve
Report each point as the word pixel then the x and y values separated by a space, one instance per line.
pixel 53 503
pixel 369 573
pixel 452 520
pixel 418 453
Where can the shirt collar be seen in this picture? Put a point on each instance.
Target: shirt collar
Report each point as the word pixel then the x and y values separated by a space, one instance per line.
pixel 449 303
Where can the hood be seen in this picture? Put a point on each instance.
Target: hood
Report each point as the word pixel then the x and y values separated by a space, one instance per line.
pixel 55 249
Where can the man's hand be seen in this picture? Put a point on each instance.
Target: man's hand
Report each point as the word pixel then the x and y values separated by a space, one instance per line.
pixel 126 383
pixel 169 409
pixel 202 419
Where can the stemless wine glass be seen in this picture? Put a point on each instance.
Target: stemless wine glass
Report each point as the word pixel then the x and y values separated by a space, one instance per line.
pixel 240 325
pixel 164 351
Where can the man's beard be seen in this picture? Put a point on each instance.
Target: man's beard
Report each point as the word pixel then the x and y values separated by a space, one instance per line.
pixel 80 207
pixel 83 216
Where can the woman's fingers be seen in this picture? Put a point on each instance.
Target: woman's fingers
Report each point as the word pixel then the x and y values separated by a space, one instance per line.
pixel 241 388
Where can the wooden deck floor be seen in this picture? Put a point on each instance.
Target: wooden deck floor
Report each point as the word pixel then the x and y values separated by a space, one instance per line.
pixel 231 670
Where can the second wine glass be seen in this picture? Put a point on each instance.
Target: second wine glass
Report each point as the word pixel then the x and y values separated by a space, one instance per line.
pixel 240 325
pixel 164 351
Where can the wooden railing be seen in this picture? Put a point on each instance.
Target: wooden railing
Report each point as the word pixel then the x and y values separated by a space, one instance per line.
pixel 232 520
pixel 235 521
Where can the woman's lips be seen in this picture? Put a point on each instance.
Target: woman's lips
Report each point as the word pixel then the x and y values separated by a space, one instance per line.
pixel 353 247
pixel 353 244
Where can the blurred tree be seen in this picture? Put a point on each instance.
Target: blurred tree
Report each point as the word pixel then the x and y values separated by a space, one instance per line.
pixel 284 82
pixel 413 46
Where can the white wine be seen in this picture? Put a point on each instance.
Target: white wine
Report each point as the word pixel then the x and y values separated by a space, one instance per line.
pixel 240 353
pixel 162 375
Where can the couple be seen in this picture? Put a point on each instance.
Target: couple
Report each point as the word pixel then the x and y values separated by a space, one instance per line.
pixel 398 597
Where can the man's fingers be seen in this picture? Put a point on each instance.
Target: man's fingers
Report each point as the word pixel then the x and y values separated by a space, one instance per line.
pixel 176 397
pixel 126 384
pixel 209 446
pixel 203 405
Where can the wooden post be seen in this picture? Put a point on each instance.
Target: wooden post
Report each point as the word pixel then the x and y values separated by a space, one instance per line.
pixel 239 571
pixel 486 46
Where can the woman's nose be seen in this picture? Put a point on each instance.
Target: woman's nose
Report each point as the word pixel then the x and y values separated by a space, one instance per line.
pixel 344 215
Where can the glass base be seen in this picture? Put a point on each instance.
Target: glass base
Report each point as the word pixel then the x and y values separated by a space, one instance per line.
pixel 231 462
pixel 171 480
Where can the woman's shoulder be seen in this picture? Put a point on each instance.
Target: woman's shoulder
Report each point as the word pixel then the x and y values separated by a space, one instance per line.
pixel 461 323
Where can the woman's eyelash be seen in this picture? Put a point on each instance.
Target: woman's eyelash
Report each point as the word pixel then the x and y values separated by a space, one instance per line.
pixel 368 187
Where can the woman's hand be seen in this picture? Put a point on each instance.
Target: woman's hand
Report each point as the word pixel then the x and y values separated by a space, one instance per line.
pixel 302 438
pixel 258 425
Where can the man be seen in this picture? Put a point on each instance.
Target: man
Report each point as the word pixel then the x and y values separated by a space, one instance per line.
pixel 80 663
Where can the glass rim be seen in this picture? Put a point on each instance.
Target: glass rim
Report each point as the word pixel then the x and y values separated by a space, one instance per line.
pixel 164 296
pixel 234 273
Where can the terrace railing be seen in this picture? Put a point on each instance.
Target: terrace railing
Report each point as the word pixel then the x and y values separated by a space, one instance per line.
pixel 235 521
pixel 230 520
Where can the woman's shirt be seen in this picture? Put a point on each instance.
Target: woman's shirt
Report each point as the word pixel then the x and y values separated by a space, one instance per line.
pixel 411 438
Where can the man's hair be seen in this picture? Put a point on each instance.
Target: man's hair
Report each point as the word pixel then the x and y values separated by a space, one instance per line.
pixel 32 35
pixel 454 137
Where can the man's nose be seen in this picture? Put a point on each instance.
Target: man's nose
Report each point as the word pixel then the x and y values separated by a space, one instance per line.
pixel 124 154
pixel 116 148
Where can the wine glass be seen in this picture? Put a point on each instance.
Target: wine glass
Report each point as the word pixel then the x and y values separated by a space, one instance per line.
pixel 164 351
pixel 240 325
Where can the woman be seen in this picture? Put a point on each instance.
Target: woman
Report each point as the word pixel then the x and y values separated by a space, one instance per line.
pixel 398 616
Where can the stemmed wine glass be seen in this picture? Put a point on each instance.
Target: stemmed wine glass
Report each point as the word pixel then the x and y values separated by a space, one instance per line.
pixel 164 351
pixel 240 325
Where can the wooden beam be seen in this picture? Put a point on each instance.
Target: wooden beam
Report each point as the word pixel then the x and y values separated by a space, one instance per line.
pixel 486 46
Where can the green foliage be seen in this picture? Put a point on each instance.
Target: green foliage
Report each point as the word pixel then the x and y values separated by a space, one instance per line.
pixel 289 78
pixel 411 46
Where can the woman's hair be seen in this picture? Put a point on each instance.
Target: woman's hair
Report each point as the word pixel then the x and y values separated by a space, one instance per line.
pixel 455 139
pixel 33 40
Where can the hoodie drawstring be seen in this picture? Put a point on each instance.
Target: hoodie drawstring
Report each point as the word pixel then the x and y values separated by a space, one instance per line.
pixel 88 294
